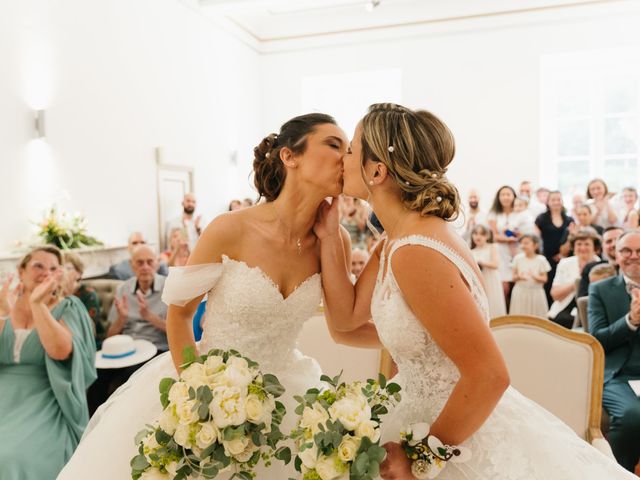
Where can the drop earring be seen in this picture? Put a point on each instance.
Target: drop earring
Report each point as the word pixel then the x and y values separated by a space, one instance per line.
pixel 370 182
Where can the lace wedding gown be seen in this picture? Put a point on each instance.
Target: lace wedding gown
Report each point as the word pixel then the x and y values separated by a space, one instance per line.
pixel 246 312
pixel 519 441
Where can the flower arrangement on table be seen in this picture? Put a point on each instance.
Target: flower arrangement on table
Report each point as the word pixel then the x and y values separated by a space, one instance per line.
pixel 64 231
pixel 338 432
pixel 220 416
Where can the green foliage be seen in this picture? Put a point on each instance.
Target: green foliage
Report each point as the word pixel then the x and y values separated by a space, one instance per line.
pixel 65 233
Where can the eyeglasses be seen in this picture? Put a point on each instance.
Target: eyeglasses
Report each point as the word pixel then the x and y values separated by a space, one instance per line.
pixel 626 252
pixel 138 242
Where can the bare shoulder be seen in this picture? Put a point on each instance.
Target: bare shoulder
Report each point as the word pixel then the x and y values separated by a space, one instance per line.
pixel 221 237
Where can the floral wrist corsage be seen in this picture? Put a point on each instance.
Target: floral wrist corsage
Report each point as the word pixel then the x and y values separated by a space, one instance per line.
pixel 429 455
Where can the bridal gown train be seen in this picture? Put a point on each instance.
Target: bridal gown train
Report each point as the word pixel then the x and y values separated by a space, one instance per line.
pixel 246 312
pixel 519 441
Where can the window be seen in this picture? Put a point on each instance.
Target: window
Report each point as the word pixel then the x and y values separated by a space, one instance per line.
pixel 590 110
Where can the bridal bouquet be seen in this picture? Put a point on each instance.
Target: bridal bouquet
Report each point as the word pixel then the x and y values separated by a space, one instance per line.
pixel 221 415
pixel 338 434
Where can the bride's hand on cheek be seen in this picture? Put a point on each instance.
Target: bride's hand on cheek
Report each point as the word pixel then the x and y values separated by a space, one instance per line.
pixel 396 466
pixel 328 219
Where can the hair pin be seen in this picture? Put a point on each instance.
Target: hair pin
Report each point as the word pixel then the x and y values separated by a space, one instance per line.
pixel 267 155
pixel 390 148
pixel 438 199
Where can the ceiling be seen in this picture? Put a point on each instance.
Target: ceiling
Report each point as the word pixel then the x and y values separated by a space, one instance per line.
pixel 272 22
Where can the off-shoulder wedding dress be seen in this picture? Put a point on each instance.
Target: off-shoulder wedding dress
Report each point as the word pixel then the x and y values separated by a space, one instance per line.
pixel 246 312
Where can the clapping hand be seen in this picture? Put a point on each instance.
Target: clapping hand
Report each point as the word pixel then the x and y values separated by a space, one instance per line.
pixel 396 466
pixel 8 296
pixel 122 306
pixel 44 291
pixel 634 312
pixel 328 219
pixel 143 305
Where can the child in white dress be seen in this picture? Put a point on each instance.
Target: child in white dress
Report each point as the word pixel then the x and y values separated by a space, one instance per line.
pixel 486 255
pixel 530 274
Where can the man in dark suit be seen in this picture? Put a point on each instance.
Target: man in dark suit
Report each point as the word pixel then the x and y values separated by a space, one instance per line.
pixel 614 318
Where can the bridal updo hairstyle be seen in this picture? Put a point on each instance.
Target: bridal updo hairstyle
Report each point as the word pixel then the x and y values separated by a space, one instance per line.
pixel 269 171
pixel 416 147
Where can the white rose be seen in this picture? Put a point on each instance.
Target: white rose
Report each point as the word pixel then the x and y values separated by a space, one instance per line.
pixel 179 393
pixel 186 413
pixel 208 434
pixel 309 456
pixel 168 420
pixel 236 446
pixel 351 410
pixel 195 375
pixel 348 449
pixel 247 453
pixel 154 474
pixel 368 429
pixel 227 407
pixel 181 435
pixel 254 408
pixel 330 468
pixel 214 364
pixel 311 417
pixel 238 372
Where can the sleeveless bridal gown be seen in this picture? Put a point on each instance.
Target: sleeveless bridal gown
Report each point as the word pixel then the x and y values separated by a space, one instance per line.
pixel 246 312
pixel 519 441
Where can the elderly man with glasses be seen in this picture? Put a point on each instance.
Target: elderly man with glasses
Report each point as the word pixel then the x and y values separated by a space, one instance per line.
pixel 614 319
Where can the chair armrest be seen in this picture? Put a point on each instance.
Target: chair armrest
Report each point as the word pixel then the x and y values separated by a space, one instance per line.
pixel 600 443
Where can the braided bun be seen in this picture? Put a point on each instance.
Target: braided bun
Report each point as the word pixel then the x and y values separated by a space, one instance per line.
pixel 269 171
pixel 416 147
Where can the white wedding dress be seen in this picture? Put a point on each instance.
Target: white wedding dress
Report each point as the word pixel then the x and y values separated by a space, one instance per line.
pixel 246 312
pixel 519 441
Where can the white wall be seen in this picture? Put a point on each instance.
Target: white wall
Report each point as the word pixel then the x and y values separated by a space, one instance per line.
pixel 117 79
pixel 481 79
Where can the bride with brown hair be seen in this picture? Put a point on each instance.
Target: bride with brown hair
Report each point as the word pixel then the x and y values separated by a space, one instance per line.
pixel 259 268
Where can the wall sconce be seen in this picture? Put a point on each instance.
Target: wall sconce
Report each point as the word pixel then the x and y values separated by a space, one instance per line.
pixel 39 123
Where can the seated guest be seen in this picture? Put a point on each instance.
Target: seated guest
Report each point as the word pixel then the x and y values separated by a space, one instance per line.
pixel 614 318
pixel 359 259
pixel 601 272
pixel 585 244
pixel 47 355
pixel 234 205
pixel 74 268
pixel 609 239
pixel 122 270
pixel 178 252
pixel 137 309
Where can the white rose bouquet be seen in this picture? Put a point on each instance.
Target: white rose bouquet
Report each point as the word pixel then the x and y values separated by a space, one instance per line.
pixel 338 432
pixel 221 415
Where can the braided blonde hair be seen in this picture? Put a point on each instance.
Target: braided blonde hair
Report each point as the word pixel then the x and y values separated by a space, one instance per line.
pixel 416 147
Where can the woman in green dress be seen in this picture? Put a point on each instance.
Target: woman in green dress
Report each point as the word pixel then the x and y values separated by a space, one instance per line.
pixel 47 361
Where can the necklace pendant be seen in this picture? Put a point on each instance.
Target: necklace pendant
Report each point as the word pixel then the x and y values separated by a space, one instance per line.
pixel 299 245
